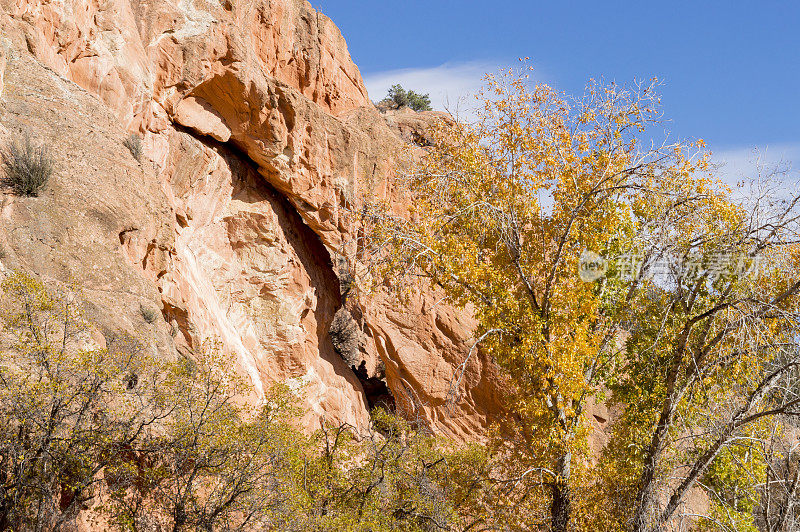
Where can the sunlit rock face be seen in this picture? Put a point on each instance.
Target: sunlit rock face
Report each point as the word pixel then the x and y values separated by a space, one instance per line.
pixel 259 145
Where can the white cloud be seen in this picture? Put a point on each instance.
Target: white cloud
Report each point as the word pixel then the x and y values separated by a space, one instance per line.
pixel 762 171
pixel 747 163
pixel 451 85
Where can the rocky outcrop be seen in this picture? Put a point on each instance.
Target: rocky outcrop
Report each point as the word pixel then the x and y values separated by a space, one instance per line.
pixel 260 142
pixel 411 126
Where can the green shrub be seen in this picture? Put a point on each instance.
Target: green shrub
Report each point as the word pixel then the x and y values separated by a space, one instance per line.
pixel 401 97
pixel 27 168
pixel 134 145
pixel 148 314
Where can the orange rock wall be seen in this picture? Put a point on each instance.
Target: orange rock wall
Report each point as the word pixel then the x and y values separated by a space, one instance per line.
pixel 259 138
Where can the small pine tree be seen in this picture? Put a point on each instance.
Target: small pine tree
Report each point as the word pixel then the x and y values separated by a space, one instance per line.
pixel 400 97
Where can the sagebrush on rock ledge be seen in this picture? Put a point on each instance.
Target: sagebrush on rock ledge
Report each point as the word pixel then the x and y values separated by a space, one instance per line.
pixel 27 168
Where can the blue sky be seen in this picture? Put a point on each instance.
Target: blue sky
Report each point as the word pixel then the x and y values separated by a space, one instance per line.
pixel 731 69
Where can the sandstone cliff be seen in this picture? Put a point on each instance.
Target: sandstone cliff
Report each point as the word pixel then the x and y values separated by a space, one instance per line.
pixel 259 138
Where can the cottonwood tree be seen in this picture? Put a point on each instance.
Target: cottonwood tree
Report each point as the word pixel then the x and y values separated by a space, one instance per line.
pixel 500 212
pixel 753 482
pixel 711 356
pixel 777 508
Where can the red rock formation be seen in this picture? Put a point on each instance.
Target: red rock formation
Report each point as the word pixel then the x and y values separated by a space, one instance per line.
pixel 259 136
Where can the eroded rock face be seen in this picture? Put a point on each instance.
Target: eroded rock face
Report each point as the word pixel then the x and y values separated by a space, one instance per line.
pixel 71 232
pixel 247 270
pixel 259 143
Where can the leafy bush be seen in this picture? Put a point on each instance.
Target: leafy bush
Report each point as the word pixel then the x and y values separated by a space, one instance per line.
pixel 400 97
pixel 27 168
pixel 392 476
pixel 66 412
pixel 134 145
pixel 148 314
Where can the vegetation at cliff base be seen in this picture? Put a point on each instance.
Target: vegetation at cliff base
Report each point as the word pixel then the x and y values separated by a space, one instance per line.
pixel 601 268
pixel 145 444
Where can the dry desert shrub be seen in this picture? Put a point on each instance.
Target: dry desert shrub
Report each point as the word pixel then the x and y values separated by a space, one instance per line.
pixel 27 168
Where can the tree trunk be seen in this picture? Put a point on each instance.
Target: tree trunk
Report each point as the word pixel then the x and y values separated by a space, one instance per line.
pixel 5 513
pixel 561 506
pixel 644 495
